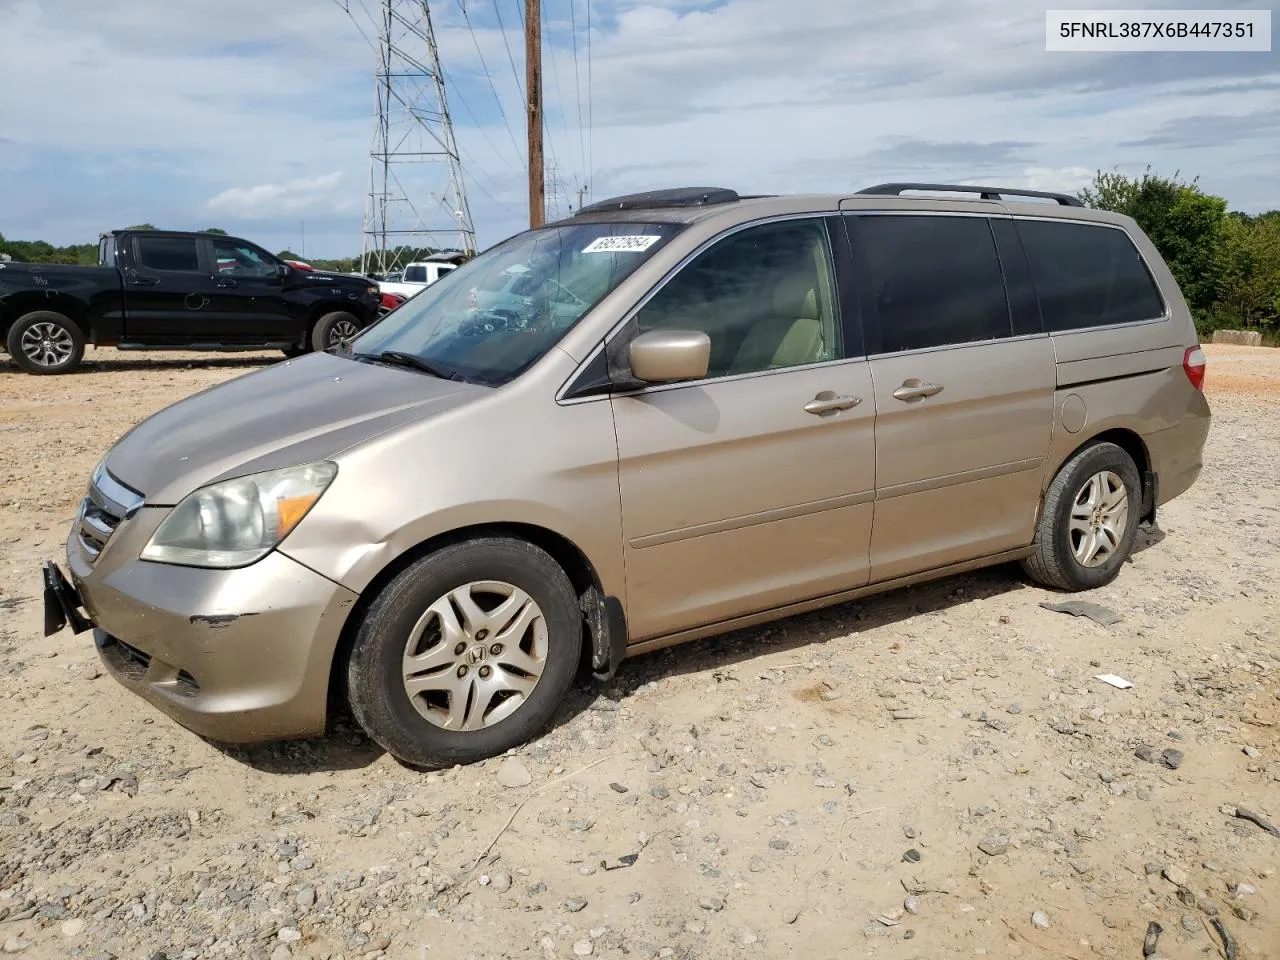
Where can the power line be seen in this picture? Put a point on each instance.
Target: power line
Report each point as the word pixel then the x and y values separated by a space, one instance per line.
pixel 555 76
pixel 591 154
pixel 510 58
pixel 488 77
pixel 577 79
pixel 457 92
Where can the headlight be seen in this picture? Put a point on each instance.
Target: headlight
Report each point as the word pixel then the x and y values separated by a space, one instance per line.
pixel 238 522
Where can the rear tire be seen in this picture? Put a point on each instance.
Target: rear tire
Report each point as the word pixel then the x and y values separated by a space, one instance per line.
pixel 333 328
pixel 443 673
pixel 1090 518
pixel 46 342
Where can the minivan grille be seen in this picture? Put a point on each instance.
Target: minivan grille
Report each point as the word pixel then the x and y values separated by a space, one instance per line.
pixel 106 505
pixel 96 527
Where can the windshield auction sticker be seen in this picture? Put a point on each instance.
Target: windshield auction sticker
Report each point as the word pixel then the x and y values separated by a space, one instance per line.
pixel 632 244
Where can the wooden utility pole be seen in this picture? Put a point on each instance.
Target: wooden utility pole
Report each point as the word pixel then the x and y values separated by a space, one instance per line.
pixel 533 85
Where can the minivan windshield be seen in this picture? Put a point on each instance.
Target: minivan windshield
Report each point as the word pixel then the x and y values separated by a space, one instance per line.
pixel 492 318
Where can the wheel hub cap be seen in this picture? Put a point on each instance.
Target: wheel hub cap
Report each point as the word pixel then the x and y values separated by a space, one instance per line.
pixel 475 655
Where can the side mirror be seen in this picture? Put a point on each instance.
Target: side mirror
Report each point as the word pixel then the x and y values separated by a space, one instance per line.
pixel 282 270
pixel 666 356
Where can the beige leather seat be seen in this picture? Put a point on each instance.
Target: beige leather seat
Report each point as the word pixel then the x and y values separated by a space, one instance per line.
pixel 792 336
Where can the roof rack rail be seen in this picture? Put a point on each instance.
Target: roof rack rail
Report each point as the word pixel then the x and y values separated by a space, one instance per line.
pixel 653 199
pixel 986 193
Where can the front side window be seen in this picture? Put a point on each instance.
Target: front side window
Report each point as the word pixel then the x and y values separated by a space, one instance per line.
pixel 235 259
pixel 764 295
pixel 492 318
pixel 1087 275
pixel 936 280
pixel 177 254
pixel 415 275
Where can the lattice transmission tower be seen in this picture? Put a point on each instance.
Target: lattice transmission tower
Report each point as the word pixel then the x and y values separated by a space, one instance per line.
pixel 417 196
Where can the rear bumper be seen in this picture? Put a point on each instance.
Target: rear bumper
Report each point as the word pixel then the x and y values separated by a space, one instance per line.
pixel 237 656
pixel 1177 453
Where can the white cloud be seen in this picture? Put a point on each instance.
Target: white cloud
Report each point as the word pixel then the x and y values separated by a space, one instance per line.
pixel 268 200
pixel 133 111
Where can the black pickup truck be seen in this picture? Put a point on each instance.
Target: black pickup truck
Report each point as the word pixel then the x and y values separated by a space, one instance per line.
pixel 160 290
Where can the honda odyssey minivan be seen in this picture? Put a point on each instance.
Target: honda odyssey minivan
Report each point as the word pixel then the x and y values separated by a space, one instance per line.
pixel 704 411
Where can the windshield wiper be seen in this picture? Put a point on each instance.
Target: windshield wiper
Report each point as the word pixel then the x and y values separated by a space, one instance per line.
pixel 398 358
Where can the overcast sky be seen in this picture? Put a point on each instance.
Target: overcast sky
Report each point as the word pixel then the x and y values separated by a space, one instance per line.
pixel 256 117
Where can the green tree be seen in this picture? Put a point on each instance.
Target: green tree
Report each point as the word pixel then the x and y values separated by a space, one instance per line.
pixel 288 255
pixel 1249 267
pixel 143 226
pixel 1187 226
pixel 215 230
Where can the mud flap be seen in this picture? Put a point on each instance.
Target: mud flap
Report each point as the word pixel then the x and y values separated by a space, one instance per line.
pixel 1150 494
pixel 607 628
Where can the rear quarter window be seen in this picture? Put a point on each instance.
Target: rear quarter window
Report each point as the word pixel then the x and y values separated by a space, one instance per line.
pixel 1088 275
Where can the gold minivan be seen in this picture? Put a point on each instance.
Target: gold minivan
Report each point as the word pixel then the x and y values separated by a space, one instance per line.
pixel 670 415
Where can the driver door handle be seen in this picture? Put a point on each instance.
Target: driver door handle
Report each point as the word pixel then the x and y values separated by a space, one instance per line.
pixel 226 282
pixel 828 402
pixel 140 281
pixel 914 389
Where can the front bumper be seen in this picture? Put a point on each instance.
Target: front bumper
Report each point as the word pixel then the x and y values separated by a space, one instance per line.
pixel 237 656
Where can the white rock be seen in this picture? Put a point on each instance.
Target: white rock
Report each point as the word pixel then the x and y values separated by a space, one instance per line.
pixel 289 934
pixel 583 948
pixel 73 927
pixel 513 774
pixel 1040 920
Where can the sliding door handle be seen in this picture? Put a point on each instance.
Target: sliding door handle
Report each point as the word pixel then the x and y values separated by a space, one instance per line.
pixel 829 402
pixel 914 389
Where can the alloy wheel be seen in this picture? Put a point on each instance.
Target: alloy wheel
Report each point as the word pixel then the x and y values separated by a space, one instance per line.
pixel 47 344
pixel 342 330
pixel 1099 518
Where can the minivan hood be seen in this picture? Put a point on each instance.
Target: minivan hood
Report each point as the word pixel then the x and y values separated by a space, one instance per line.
pixel 296 412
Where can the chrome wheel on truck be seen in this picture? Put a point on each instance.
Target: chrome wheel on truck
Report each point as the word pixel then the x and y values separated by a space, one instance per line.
pixel 331 329
pixel 45 342
pixel 466 653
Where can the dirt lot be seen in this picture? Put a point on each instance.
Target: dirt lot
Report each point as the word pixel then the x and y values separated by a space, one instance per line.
pixel 934 773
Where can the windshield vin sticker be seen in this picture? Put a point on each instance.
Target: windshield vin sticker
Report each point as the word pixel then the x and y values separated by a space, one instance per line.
pixel 633 244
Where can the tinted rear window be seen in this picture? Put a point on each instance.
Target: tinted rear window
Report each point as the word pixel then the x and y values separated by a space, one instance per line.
pixel 168 253
pixel 936 280
pixel 1088 276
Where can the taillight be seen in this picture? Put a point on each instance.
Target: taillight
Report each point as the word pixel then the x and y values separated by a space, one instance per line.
pixel 1193 362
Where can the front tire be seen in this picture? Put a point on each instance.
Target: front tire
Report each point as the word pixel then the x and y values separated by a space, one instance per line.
pixel 466 653
pixel 332 329
pixel 1090 518
pixel 46 342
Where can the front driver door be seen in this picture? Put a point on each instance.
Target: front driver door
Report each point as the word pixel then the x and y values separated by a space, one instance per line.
pixel 248 296
pixel 752 488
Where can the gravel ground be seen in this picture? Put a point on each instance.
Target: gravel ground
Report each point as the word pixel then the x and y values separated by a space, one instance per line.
pixel 932 773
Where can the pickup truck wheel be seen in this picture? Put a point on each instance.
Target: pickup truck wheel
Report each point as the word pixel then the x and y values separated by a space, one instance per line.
pixel 46 342
pixel 332 329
